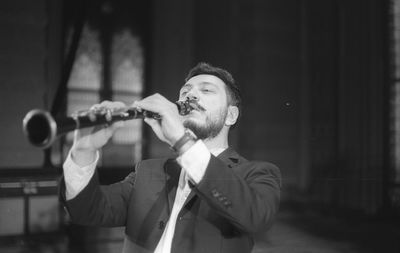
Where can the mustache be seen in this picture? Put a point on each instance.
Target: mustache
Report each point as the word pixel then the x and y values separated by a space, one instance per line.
pixel 196 106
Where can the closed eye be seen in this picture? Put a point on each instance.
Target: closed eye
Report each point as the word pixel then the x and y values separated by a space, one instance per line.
pixel 205 90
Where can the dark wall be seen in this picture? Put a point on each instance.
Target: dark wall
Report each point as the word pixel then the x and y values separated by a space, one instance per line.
pixel 347 61
pixel 29 67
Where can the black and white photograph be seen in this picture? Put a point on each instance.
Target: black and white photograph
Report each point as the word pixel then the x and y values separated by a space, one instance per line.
pixel 188 126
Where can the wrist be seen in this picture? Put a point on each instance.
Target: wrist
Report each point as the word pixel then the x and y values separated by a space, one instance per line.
pixel 83 157
pixel 187 140
pixel 186 146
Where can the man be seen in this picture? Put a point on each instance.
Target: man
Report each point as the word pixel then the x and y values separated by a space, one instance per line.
pixel 207 199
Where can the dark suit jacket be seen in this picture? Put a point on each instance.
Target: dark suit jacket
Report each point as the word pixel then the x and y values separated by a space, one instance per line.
pixel 235 199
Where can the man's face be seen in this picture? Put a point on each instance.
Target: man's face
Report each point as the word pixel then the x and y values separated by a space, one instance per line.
pixel 210 93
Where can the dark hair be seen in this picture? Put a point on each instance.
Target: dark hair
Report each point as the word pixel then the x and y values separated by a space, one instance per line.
pixel 233 91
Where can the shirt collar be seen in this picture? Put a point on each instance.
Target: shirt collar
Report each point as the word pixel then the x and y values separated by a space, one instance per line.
pixel 183 176
pixel 217 151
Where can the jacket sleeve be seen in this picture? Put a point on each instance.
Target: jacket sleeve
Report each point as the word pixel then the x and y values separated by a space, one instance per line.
pixel 248 195
pixel 98 205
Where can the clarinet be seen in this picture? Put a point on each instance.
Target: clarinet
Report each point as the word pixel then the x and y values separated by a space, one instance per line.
pixel 42 129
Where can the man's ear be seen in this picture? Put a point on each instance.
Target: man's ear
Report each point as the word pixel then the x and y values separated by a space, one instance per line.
pixel 232 116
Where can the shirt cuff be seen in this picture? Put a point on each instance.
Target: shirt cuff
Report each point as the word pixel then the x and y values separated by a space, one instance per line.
pixel 77 177
pixel 195 160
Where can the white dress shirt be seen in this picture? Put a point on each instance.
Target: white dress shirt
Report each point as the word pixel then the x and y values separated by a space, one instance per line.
pixel 194 163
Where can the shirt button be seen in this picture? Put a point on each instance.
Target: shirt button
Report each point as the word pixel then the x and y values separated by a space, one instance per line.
pixel 228 203
pixel 215 193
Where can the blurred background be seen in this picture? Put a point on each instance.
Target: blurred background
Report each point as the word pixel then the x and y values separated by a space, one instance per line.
pixel 321 86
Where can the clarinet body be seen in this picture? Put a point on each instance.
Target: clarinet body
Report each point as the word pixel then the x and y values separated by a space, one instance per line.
pixel 42 129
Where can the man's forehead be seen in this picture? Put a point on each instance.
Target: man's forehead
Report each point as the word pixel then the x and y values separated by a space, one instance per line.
pixel 190 85
pixel 204 79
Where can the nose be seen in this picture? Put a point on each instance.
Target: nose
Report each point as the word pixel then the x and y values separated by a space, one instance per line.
pixel 192 96
pixel 190 93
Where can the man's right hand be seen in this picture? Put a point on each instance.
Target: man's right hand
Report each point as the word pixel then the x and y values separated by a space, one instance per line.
pixel 88 140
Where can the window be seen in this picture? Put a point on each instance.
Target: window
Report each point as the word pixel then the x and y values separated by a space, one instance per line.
pixel 126 71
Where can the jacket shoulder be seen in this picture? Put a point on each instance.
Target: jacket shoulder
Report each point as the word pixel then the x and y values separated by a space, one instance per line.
pixel 255 168
pixel 152 163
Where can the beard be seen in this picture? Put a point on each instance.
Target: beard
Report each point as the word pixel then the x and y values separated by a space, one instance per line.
pixel 210 129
